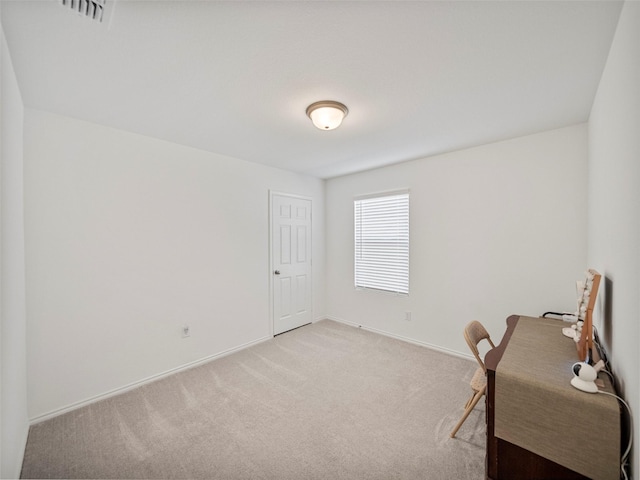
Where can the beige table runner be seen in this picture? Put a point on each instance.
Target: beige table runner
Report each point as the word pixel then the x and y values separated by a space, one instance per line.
pixel 537 409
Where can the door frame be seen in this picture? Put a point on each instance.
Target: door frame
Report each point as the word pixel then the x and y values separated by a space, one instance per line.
pixel 273 193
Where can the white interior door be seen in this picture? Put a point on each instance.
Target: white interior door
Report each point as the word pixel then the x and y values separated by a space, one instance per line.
pixel 290 261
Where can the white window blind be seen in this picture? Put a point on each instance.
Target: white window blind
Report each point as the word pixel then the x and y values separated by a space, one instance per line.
pixel 382 242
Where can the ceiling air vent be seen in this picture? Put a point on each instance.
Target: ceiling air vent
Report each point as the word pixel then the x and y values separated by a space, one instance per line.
pixel 93 9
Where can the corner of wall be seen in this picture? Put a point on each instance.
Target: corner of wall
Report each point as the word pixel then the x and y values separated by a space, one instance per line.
pixel 14 422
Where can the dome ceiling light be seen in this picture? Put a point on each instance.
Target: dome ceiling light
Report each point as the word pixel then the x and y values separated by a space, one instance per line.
pixel 327 114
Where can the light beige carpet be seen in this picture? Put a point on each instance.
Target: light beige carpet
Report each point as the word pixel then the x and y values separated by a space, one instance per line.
pixel 325 401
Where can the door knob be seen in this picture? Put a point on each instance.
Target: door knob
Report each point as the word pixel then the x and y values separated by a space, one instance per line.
pixel 277 272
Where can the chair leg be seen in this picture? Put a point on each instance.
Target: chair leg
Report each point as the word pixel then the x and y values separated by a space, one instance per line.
pixel 473 395
pixel 471 405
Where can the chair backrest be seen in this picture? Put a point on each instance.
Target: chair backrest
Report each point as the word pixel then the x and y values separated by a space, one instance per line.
pixel 474 333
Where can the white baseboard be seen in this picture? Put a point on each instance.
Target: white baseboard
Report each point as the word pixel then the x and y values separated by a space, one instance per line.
pixel 131 386
pixel 12 467
pixel 139 383
pixel 404 339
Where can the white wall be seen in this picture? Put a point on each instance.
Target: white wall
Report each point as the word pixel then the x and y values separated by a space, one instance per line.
pixel 495 230
pixel 127 239
pixel 13 399
pixel 614 206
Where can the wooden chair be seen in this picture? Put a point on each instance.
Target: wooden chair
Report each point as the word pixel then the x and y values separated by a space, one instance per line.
pixel 474 333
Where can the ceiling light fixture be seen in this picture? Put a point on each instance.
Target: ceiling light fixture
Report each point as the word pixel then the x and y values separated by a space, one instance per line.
pixel 327 114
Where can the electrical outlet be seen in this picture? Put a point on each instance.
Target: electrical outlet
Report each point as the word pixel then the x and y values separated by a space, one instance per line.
pixel 186 332
pixel 407 316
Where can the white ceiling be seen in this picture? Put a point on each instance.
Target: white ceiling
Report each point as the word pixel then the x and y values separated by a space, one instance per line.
pixel 235 78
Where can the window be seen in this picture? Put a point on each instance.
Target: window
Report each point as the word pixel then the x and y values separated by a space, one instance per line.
pixel 382 242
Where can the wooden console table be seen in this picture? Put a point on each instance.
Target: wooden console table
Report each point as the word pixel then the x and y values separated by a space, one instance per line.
pixel 566 450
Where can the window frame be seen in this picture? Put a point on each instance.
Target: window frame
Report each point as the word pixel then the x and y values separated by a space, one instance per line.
pixel 371 273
